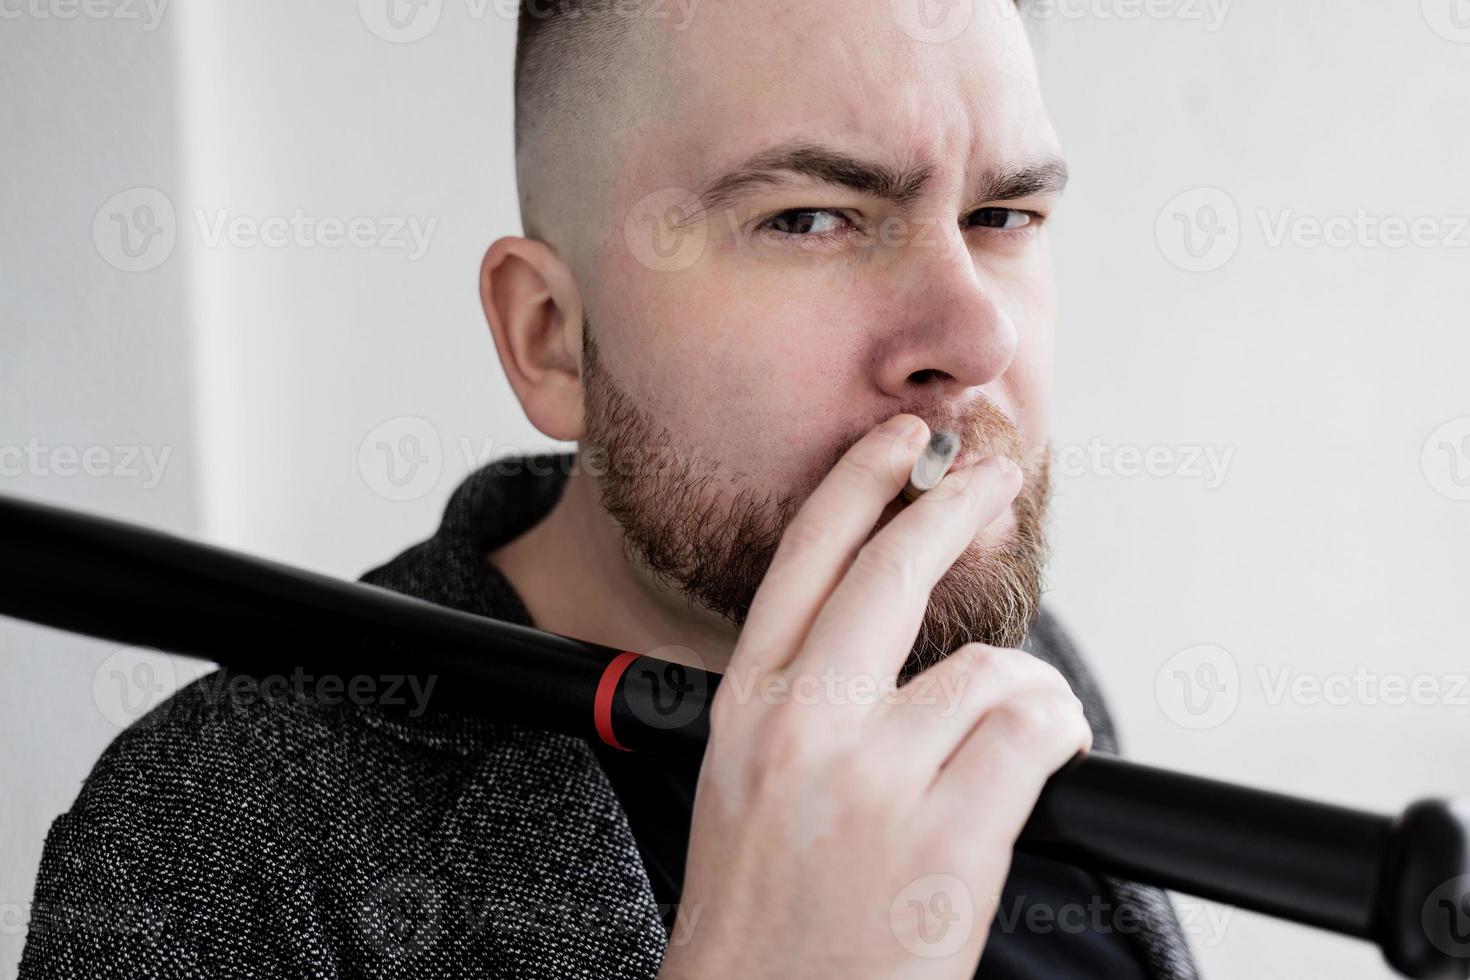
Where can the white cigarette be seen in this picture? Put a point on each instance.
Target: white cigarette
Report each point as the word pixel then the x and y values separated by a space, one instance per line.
pixel 933 463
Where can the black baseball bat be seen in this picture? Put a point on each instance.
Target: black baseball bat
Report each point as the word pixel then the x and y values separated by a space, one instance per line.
pixel 1402 881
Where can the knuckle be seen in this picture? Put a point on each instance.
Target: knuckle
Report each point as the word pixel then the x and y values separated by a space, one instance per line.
pixel 1054 678
pixel 871 465
pixel 1045 676
pixel 1027 722
pixel 1078 716
pixel 994 668
pixel 882 559
pixel 806 533
pixel 982 658
pixel 869 468
pixel 1087 736
pixel 783 741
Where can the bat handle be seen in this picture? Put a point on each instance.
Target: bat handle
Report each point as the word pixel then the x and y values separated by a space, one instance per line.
pixel 1401 882
pixel 1423 920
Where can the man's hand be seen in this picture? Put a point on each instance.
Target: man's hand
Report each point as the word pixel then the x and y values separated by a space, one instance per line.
pixel 866 837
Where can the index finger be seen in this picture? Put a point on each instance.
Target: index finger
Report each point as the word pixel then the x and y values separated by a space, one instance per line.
pixel 873 616
pixel 823 539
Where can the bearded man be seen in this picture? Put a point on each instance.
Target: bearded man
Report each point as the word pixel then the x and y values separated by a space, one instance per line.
pixel 769 250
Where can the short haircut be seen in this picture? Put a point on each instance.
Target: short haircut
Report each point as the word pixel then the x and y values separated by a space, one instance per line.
pixel 561 45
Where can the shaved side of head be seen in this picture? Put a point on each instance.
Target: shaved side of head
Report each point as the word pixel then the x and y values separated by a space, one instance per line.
pixel 586 75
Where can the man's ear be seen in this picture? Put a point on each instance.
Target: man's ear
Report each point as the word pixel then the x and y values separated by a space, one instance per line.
pixel 534 309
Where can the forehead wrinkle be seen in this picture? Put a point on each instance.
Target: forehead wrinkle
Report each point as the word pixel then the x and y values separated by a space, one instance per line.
pixel 801 158
pixel 1042 176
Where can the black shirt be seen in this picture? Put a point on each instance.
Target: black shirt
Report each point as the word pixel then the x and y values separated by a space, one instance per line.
pixel 1054 920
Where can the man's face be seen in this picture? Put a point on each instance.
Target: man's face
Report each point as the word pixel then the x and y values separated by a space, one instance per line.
pixel 836 220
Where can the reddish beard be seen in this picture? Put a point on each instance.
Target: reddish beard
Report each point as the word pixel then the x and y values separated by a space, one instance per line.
pixel 714 542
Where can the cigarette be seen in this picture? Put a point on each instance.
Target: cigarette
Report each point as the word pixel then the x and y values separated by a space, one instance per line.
pixel 933 463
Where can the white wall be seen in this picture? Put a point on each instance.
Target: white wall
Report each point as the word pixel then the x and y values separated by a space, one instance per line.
pixel 275 373
pixel 306 351
pixel 1325 370
pixel 94 367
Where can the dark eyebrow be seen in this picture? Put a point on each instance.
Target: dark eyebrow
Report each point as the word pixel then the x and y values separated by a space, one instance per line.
pixel 901 186
pixel 1047 175
pixel 819 163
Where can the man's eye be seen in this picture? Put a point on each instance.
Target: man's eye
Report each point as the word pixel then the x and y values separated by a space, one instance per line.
pixel 1002 219
pixel 805 221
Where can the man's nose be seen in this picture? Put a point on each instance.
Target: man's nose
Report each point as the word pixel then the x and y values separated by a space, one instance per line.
pixel 948 330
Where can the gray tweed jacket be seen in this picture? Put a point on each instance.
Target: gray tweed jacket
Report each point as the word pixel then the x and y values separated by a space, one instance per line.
pixel 232 834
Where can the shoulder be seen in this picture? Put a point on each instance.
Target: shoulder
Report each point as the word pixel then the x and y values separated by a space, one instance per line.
pixel 205 740
pixel 1051 641
pixel 220 817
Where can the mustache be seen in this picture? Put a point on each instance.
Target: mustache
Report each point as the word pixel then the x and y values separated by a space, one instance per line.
pixel 982 427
